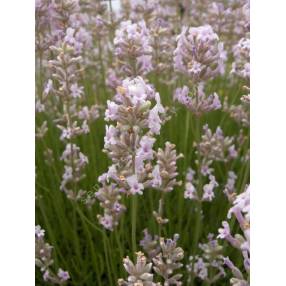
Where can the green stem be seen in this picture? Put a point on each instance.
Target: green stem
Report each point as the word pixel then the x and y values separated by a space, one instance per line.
pixel 186 162
pixel 133 223
pixel 187 137
pixel 133 212
pixel 119 247
pixel 199 203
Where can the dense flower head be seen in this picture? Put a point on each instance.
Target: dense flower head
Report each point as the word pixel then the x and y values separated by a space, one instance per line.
pixel 139 273
pixel 197 102
pixel 150 244
pixel 132 48
pixel 65 68
pixel 78 39
pixel 240 113
pixel 169 260
pixel 215 146
pixel 199 53
pixel 241 65
pixel 132 106
pixel 165 172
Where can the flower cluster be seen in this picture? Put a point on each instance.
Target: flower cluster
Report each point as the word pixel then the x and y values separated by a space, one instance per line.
pixel 168 261
pixel 69 94
pixel 44 259
pixel 197 101
pixel 222 15
pixel 150 10
pixel 207 267
pixel 132 48
pixel 229 188
pixel 61 20
pixel 241 211
pixel 139 274
pixel 163 44
pixel 142 9
pixel 241 65
pixel 199 53
pixel 160 17
pixel 75 162
pixel 109 196
pixel 193 191
pixel 239 113
pixel 216 146
pixel 150 244
pixel 165 172
pixel 165 255
pixel 129 144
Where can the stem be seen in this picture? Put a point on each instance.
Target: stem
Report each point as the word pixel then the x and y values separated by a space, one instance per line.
pixel 41 76
pixel 160 211
pixel 187 136
pixel 107 259
pixel 119 247
pixel 198 225
pixel 133 206
pixel 199 203
pixel 133 223
pixel 186 162
pixel 111 12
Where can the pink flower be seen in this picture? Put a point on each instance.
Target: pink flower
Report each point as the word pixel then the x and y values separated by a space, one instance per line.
pixel 190 175
pixel 76 91
pixel 39 232
pixel 48 87
pixel 111 111
pixel 208 189
pixel 135 186
pixel 224 232
pixel 157 180
pixel 154 120
pixel 110 135
pixel 146 145
pixel 106 221
pixel 63 275
pixel 190 192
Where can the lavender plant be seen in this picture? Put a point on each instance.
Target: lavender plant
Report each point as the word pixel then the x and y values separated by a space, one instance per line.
pixel 45 261
pixel 241 211
pixel 142 125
